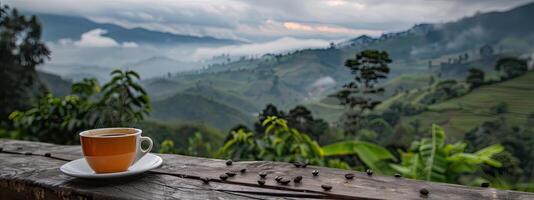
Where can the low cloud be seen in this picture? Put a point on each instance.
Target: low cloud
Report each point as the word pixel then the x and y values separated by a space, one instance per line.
pixel 324 81
pixel 277 46
pixel 329 29
pixel 96 38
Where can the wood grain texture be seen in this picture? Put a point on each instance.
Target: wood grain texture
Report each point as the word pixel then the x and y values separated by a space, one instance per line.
pixel 26 173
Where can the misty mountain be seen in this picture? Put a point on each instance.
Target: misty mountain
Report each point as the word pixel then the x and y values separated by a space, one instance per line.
pixel 159 66
pixel 507 29
pixel 56 27
pixel 291 79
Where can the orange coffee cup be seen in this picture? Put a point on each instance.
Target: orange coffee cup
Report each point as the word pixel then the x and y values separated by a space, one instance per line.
pixel 109 150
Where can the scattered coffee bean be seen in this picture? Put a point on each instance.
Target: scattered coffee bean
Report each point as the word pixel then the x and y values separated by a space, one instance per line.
pixel 262 174
pixel 326 187
pixel 397 175
pixel 47 154
pixel 278 178
pixel 28 153
pixel 349 176
pixel 369 172
pixel 261 182
pixel 230 174
pixel 297 164
pixel 243 170
pixel 424 191
pixel 315 172
pixel 484 184
pixel 205 180
pixel 229 162
pixel 284 181
pixel 223 177
pixel 297 179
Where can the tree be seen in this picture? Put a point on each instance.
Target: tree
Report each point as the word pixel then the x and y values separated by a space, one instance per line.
pixel 123 100
pixel 21 50
pixel 475 78
pixel 511 67
pixel 58 120
pixel 269 110
pixel 302 119
pixel 368 67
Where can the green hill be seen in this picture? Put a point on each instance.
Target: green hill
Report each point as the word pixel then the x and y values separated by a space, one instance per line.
pixel 187 107
pixel 57 85
pixel 464 113
pixel 227 98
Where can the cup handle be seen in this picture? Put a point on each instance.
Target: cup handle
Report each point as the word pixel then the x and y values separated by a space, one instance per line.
pixel 142 152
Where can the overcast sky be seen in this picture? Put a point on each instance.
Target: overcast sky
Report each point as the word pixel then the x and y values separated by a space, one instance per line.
pixel 264 20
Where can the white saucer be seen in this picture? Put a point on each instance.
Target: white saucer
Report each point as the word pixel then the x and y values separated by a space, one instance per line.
pixel 79 168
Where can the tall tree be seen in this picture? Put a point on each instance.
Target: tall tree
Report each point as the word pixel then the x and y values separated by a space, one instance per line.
pixel 21 49
pixel 475 77
pixel 368 67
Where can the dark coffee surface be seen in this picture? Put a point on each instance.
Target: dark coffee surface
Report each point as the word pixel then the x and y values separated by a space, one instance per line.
pixel 112 134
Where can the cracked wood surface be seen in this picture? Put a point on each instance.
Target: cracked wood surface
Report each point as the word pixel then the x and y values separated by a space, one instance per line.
pixel 30 170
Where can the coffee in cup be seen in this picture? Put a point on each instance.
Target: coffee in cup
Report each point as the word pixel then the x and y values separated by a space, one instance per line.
pixel 109 150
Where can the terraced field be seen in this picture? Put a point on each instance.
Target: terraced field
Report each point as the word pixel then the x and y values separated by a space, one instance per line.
pixel 464 113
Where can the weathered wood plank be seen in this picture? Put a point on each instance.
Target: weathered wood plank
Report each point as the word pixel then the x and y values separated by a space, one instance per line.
pixel 38 176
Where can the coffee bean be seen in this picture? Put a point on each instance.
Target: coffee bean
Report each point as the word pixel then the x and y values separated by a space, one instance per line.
pixel 397 175
pixel 28 153
pixel 230 174
pixel 484 184
pixel 349 176
pixel 315 172
pixel 304 165
pixel 278 178
pixel 297 179
pixel 229 162
pixel 326 187
pixel 424 191
pixel 369 172
pixel 243 170
pixel 297 164
pixel 284 181
pixel 223 177
pixel 47 154
pixel 205 180
pixel 261 182
pixel 262 174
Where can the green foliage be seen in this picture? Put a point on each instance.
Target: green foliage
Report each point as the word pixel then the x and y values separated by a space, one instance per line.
pixel 443 91
pixel 21 50
pixel 196 146
pixel 370 154
pixel 511 67
pixel 241 146
pixel 282 143
pixel 123 100
pixel 181 133
pixel 475 78
pixel 432 159
pixel 499 108
pixel 58 120
pixel 167 146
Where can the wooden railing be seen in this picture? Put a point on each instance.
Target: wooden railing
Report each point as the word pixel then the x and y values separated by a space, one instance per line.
pixel 30 170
